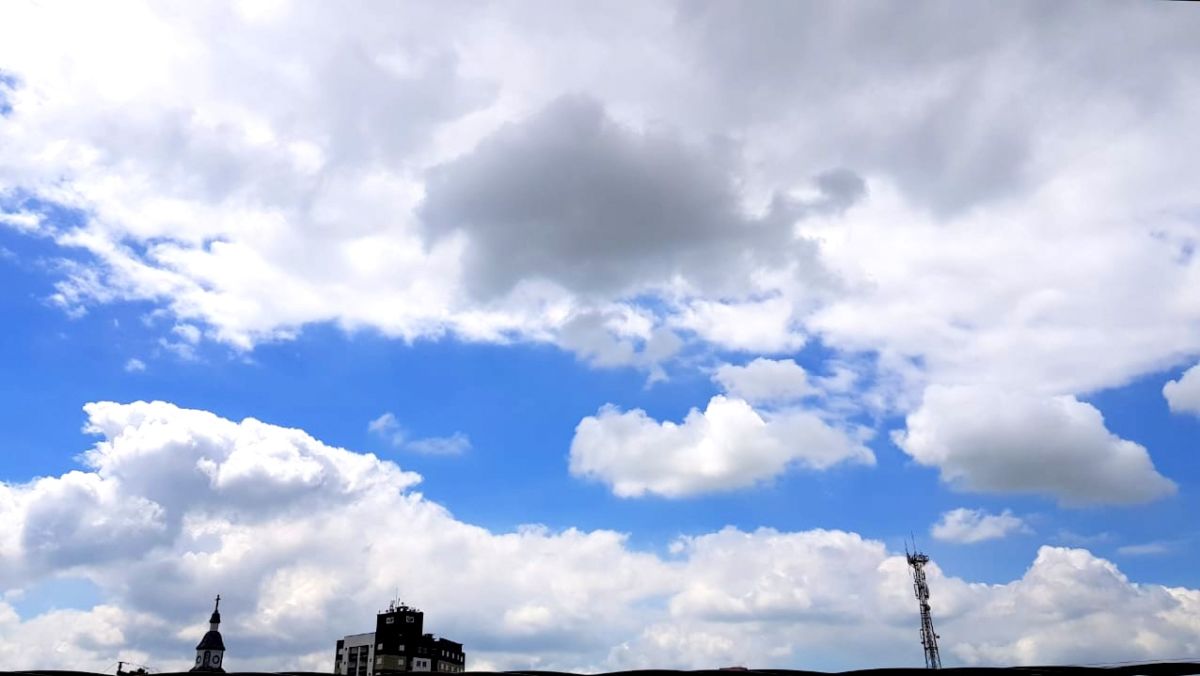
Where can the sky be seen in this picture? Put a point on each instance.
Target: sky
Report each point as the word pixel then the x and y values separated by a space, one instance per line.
pixel 610 334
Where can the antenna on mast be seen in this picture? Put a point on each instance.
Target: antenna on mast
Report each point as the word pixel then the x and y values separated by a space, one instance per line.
pixel 916 564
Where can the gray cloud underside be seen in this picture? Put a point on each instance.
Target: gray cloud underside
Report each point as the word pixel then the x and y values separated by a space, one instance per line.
pixel 571 196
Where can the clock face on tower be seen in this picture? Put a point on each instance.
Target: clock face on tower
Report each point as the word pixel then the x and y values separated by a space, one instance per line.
pixel 216 659
pixel 197 660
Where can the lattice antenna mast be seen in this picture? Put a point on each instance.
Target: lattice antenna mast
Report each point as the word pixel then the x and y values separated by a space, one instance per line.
pixel 917 561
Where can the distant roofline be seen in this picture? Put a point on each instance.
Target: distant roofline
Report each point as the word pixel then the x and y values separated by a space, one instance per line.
pixel 1150 668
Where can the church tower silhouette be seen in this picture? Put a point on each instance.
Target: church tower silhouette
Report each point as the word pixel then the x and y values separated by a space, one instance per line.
pixel 210 653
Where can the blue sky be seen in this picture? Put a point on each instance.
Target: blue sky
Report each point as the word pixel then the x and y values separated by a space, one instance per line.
pixel 519 406
pixel 649 339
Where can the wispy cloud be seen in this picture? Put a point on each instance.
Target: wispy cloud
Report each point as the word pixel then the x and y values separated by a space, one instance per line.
pixel 135 365
pixel 1070 537
pixel 975 525
pixel 388 428
pixel 1156 548
pixel 384 425
pixel 455 444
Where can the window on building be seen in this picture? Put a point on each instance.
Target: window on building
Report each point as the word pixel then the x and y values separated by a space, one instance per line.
pixel 410 619
pixel 390 620
pixel 379 646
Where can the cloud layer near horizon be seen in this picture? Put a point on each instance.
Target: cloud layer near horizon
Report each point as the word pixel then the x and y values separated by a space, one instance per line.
pixel 267 519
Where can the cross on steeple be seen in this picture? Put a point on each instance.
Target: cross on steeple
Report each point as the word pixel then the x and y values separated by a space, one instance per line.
pixel 216 615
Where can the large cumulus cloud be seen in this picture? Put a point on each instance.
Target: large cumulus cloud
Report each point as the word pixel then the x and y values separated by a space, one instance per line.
pixel 727 446
pixel 308 549
pixel 304 540
pixel 761 428
pixel 341 530
pixel 1003 441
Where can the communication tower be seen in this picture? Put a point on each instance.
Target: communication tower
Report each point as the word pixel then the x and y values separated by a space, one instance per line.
pixel 917 561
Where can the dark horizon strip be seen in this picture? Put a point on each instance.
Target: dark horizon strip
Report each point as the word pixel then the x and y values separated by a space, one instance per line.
pixel 1138 669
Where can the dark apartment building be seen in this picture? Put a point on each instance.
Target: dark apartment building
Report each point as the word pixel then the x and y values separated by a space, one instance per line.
pixel 397 644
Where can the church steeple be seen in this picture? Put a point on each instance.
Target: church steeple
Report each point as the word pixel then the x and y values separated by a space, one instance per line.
pixel 210 652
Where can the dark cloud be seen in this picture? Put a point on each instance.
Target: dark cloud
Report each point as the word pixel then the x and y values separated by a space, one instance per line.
pixel 946 98
pixel 841 188
pixel 572 196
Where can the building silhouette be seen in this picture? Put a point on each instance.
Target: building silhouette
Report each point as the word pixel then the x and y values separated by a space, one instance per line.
pixel 398 644
pixel 210 652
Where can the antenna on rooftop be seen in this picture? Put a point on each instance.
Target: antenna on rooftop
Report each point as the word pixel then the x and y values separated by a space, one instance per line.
pixel 916 564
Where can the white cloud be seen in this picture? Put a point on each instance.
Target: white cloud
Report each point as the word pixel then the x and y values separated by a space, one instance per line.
pixel 455 444
pixel 754 433
pixel 269 517
pixel 179 503
pixel 975 525
pixel 1146 549
pixel 387 427
pixel 22 221
pixel 786 599
pixel 1183 395
pixel 82 518
pixel 189 333
pixel 183 346
pixel 727 446
pixel 265 186
pixel 135 365
pixel 992 440
pixel 384 424
pixel 622 336
pixel 765 381
pixel 1088 609
pixel 262 190
pixel 767 326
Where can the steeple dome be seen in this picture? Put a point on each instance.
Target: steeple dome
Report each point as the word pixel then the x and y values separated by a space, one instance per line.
pixel 210 652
